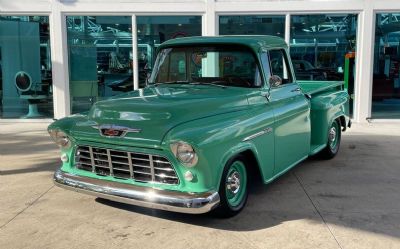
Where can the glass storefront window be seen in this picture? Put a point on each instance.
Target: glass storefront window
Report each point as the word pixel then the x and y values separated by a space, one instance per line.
pixel 154 30
pixel 319 44
pixel 25 67
pixel 323 47
pixel 252 25
pixel 100 58
pixel 386 79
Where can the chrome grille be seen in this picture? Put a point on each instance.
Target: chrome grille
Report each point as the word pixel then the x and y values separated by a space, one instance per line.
pixel 126 165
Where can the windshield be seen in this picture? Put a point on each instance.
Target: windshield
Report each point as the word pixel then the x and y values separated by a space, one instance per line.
pixel 225 66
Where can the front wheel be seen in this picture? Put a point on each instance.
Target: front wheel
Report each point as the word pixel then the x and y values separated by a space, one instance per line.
pixel 333 144
pixel 233 188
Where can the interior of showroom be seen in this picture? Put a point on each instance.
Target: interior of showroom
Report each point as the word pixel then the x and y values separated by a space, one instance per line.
pixel 58 60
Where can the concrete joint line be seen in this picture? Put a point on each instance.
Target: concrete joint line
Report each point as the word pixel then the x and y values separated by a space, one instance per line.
pixel 316 209
pixel 23 210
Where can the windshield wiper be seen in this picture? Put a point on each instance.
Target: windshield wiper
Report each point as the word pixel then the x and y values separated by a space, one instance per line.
pixel 169 82
pixel 207 84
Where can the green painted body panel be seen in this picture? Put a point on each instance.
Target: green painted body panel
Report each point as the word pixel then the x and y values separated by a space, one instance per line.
pixel 219 123
pixel 311 87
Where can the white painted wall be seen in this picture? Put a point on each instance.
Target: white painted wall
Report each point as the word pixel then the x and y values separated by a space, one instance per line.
pixel 209 9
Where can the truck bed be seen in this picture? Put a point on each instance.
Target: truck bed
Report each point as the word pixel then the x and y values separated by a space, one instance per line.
pixel 312 87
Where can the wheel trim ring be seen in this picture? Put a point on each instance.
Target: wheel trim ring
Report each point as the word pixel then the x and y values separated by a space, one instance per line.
pixel 234 199
pixel 333 135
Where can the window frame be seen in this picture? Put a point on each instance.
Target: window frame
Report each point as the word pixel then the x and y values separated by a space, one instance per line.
pixel 265 71
pixel 286 64
pixel 255 56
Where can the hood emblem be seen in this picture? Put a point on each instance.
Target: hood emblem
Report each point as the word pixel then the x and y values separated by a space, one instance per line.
pixel 110 130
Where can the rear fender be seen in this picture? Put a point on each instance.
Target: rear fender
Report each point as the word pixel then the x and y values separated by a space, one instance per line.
pixel 326 108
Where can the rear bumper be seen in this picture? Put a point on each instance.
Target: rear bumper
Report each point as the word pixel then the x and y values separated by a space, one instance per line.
pixel 192 203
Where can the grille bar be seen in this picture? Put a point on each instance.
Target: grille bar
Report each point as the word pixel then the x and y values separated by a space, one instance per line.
pixel 92 158
pixel 110 163
pixel 151 167
pixel 126 165
pixel 130 165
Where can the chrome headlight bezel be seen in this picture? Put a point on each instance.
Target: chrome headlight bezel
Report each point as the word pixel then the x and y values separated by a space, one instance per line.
pixel 60 138
pixel 185 153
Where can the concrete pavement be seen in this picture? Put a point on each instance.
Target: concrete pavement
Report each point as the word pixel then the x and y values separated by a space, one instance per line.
pixel 352 201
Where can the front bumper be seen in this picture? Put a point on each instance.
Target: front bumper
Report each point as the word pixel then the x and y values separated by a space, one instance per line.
pixel 192 203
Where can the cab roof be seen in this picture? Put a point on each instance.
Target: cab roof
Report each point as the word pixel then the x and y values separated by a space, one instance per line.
pixel 255 42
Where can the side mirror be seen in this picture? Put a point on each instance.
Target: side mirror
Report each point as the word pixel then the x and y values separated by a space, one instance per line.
pixel 275 81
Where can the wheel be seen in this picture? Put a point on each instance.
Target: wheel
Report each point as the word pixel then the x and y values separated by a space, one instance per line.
pixel 333 144
pixel 233 188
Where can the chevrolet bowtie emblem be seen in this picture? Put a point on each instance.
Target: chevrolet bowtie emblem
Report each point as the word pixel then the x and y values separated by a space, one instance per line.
pixel 111 132
pixel 108 130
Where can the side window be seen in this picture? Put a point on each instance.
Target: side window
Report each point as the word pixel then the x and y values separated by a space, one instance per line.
pixel 280 66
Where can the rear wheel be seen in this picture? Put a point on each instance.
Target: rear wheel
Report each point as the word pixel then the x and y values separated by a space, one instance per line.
pixel 233 188
pixel 333 144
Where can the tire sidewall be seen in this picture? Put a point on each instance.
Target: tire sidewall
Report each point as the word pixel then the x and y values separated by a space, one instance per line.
pixel 335 150
pixel 224 203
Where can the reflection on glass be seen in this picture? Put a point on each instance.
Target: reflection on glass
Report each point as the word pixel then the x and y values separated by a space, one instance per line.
pixel 25 67
pixel 252 25
pixel 100 58
pixel 319 44
pixel 222 66
pixel 154 30
pixel 323 47
pixel 386 82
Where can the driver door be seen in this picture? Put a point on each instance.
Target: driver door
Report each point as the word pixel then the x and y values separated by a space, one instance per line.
pixel 291 114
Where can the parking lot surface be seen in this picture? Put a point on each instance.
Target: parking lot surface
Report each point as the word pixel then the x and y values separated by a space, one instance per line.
pixel 352 201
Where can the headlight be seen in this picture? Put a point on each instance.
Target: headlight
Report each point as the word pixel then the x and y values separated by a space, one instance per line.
pixel 60 138
pixel 185 153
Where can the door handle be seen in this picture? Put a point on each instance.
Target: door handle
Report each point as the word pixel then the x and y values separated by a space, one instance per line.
pixel 296 90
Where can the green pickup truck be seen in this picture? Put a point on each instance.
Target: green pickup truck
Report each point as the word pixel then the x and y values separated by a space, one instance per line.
pixel 216 112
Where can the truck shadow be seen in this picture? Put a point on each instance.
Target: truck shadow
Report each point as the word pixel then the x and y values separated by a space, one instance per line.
pixel 357 189
pixel 48 165
pixel 26 143
pixel 253 217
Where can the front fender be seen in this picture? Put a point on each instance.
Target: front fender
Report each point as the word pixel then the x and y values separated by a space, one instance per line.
pixel 211 138
pixel 217 139
pixel 239 149
pixel 66 124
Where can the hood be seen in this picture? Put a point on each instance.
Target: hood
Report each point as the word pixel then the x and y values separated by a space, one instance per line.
pixel 153 111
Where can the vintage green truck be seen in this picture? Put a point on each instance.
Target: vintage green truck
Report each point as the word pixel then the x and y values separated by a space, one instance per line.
pixel 215 109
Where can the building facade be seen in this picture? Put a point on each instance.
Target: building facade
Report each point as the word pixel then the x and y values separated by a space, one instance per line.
pixel 57 57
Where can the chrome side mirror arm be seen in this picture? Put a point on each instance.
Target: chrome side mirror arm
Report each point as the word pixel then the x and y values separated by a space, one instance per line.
pixel 267 94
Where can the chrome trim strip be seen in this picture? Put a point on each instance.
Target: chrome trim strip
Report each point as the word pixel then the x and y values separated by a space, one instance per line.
pixel 192 203
pixel 260 133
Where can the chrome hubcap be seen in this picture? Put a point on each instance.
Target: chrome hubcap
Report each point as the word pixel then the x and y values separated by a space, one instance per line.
pixel 332 135
pixel 233 182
